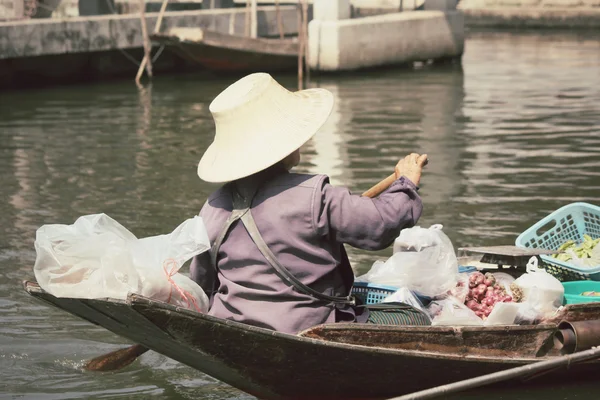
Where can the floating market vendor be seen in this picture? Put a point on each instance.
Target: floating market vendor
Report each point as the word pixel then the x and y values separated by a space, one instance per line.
pixel 278 259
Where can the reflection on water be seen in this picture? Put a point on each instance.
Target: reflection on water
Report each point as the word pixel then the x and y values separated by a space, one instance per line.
pixel 511 136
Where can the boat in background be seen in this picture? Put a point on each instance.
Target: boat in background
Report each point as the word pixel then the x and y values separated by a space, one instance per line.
pixel 222 52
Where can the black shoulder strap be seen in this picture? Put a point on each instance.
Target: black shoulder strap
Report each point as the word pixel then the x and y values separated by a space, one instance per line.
pixel 241 211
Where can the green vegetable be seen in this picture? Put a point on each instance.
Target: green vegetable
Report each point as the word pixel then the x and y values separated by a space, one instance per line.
pixel 582 251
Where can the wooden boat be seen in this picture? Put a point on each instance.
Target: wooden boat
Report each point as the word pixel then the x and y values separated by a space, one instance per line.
pixel 335 361
pixel 221 52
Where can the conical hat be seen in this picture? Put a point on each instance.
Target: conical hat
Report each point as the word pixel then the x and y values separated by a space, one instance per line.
pixel 258 123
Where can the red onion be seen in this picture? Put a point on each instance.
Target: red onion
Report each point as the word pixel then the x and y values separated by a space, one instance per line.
pixel 507 299
pixel 473 305
pixel 487 282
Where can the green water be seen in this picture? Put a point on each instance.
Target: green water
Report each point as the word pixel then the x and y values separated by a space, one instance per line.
pixel 512 136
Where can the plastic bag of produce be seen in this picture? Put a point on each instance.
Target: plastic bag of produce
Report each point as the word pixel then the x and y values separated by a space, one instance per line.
pixel 540 293
pixel 582 255
pixel 97 257
pixel 452 311
pixel 424 262
pixel 485 292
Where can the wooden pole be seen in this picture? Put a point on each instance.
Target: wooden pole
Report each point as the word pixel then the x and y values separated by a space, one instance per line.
pixel 380 187
pixel 147 61
pixel 253 19
pixel 163 7
pixel 300 49
pixel 305 32
pixel 247 19
pixel 279 21
pixel 512 373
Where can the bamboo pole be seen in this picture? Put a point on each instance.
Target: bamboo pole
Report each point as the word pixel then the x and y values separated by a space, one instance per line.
pixel 253 20
pixel 147 61
pixel 305 32
pixel 247 19
pixel 300 49
pixel 512 373
pixel 279 21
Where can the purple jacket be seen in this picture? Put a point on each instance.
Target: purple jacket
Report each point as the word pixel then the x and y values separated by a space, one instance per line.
pixel 305 221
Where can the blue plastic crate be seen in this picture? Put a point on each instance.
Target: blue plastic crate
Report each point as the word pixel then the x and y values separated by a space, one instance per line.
pixel 570 222
pixel 369 293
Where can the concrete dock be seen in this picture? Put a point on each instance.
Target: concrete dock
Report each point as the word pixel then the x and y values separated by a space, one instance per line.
pixel 36 52
pixel 532 14
pixel 44 51
pixel 340 43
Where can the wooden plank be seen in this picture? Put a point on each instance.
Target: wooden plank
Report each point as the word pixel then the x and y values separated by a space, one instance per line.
pixel 499 341
pixel 507 250
pixel 506 254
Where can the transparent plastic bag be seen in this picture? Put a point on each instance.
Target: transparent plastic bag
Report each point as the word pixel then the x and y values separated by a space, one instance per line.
pixel 585 262
pixel 97 257
pixel 542 293
pixel 403 295
pixel 424 262
pixel 461 290
pixel 451 311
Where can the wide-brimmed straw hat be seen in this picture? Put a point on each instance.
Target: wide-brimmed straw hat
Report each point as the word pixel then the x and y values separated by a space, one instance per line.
pixel 259 123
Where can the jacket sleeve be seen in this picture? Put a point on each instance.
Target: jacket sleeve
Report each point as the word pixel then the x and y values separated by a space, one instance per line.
pixel 362 222
pixel 203 273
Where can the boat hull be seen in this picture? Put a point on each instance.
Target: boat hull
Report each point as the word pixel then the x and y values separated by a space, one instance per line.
pixel 273 365
pixel 230 54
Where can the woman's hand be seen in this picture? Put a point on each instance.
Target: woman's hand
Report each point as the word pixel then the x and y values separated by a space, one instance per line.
pixel 411 167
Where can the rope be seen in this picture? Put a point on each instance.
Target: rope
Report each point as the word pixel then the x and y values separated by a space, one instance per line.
pixel 170 267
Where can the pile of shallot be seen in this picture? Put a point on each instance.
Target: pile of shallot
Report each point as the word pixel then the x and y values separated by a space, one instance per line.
pixel 484 293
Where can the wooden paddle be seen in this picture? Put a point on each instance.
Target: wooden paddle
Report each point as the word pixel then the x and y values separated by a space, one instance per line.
pixel 116 359
pixel 121 358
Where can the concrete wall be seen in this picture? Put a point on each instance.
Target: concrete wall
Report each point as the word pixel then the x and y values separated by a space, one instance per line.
pixel 11 9
pixel 103 33
pixel 385 39
pixel 564 14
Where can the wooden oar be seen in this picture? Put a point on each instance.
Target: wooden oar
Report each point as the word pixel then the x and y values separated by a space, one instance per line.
pixel 500 376
pixel 380 187
pixel 116 359
pixel 121 358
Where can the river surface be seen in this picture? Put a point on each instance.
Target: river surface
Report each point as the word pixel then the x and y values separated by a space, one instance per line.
pixel 512 135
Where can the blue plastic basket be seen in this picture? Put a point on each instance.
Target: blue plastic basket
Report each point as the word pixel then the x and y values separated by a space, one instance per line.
pixel 570 222
pixel 369 293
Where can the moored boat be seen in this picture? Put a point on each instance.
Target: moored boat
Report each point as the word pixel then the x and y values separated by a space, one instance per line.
pixel 221 52
pixel 338 361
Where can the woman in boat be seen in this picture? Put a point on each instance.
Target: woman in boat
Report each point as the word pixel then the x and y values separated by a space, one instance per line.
pixel 277 259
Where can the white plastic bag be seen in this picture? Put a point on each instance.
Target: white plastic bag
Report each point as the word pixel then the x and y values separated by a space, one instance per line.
pixel 424 262
pixel 502 314
pixel 451 311
pixel 587 262
pixel 403 295
pixel 542 293
pixel 97 257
